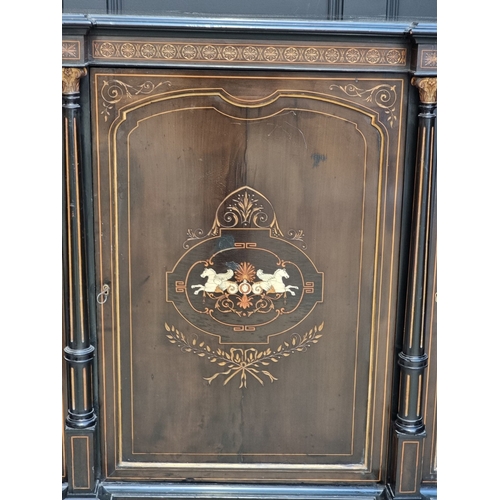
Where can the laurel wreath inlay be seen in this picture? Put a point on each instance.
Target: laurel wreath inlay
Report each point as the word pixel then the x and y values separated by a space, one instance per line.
pixel 384 96
pixel 244 363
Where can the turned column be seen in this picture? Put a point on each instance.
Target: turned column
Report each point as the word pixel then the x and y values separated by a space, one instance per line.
pixel 78 352
pixel 409 428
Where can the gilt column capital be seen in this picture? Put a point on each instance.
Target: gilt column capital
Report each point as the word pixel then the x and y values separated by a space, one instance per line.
pixel 71 80
pixel 427 89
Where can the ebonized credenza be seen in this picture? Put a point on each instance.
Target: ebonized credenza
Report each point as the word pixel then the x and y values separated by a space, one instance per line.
pixel 249 259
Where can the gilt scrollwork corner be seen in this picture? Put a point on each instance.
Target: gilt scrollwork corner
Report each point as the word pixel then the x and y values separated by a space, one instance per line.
pixel 383 96
pixel 113 91
pixel 427 89
pixel 71 79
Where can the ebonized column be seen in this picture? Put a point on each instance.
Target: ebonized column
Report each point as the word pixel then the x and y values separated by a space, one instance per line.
pixel 78 353
pixel 409 428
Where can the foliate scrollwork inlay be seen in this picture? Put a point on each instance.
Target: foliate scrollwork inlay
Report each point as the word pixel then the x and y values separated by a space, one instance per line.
pixel 193 235
pixel 113 91
pixel 427 89
pixel 71 80
pixel 384 96
pixel 297 235
pixel 241 362
pixel 245 210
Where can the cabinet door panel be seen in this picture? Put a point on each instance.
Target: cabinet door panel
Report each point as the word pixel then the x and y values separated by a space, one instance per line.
pixel 248 228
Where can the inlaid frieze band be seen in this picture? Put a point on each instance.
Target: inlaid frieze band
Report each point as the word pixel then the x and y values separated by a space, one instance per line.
pixel 249 53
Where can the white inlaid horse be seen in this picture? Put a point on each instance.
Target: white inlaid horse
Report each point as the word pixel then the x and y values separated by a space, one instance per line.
pixel 272 282
pixel 215 282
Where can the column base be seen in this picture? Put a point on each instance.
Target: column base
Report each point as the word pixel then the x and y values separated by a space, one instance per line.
pixel 407 466
pixel 81 445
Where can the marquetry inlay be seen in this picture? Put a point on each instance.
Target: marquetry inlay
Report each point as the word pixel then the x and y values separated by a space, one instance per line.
pixel 71 50
pixel 428 58
pixel 244 281
pixel 252 52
